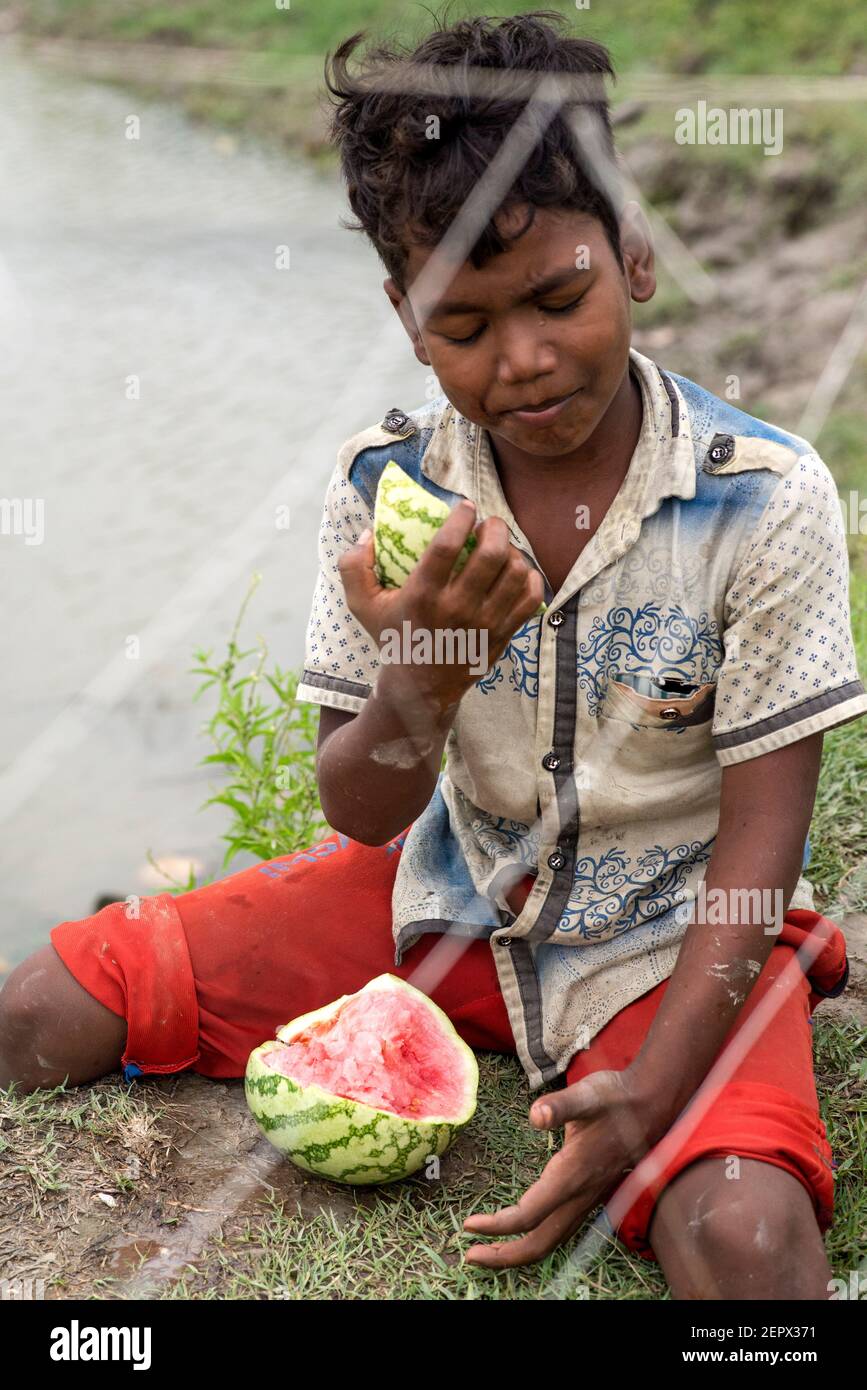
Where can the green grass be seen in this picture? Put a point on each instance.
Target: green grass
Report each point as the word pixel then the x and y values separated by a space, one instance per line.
pixel 688 37
pixel 840 1059
pixel 838 834
pixel 398 1243
pixel 683 35
pixel 59 1149
pixel 406 1242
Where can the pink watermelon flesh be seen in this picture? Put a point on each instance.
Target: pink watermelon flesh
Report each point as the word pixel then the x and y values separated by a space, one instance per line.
pixel 384 1049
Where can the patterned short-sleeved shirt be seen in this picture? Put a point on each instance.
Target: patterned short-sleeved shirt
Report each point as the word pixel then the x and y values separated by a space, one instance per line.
pixel 721 566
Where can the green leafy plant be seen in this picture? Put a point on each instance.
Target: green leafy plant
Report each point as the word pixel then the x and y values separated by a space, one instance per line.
pixel 266 740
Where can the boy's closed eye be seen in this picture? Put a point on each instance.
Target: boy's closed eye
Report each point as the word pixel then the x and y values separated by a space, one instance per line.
pixel 544 308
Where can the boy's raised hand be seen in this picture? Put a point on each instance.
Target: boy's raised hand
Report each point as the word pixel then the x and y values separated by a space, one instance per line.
pixel 495 593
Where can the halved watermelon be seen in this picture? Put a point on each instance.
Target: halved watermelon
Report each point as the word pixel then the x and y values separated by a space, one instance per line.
pixel 365 1090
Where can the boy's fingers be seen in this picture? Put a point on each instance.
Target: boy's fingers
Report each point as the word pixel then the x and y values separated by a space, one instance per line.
pixel 517 592
pixel 528 607
pixel 358 571
pixel 487 562
pixel 556 1229
pixel 583 1100
pixel 559 1182
pixel 547 1113
pixel 438 561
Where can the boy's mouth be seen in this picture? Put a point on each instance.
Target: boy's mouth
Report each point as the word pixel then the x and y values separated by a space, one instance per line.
pixel 542 413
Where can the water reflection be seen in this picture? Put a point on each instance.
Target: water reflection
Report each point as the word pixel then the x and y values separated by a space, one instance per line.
pixel 152 262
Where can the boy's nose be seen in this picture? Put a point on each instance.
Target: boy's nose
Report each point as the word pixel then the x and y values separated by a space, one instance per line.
pixel 525 361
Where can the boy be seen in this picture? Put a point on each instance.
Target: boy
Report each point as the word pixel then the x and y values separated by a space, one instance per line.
pixel 658 728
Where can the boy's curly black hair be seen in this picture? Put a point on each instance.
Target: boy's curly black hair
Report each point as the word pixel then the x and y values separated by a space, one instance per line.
pixel 404 186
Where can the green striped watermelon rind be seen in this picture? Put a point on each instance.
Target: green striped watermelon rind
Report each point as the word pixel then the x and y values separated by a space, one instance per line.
pixel 406 518
pixel 345 1140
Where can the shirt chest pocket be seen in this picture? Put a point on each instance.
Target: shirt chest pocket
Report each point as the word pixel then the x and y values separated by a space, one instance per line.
pixel 639 701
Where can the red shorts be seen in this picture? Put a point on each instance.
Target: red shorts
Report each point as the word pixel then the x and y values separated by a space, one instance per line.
pixel 205 977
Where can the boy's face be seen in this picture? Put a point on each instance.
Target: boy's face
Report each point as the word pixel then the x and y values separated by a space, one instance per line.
pixel 507 336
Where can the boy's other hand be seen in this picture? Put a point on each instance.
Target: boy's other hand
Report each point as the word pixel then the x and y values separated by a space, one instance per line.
pixel 493 596
pixel 605 1133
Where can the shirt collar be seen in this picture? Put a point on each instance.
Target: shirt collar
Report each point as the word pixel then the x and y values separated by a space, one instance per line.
pixel 664 458
pixel 459 457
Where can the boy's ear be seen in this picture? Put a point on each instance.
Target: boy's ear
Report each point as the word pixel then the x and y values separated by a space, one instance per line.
pixel 402 307
pixel 637 245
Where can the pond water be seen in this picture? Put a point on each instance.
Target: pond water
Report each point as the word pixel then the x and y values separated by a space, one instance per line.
pixel 163 388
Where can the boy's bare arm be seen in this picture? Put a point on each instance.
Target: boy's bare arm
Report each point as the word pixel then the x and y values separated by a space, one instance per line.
pixel 612 1118
pixel 377 770
pixel 765 810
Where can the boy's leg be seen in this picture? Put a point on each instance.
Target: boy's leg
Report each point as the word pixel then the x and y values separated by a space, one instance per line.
pixel 743 1191
pixel 50 1027
pixel 201 979
pixel 757 1238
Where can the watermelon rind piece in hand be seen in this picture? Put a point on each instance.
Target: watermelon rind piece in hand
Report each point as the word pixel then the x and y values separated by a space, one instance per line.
pixel 405 520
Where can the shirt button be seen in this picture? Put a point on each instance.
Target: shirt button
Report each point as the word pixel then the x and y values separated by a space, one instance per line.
pixel 556 619
pixel 551 761
pixel 722 448
pixel 505 941
pixel 556 860
pixel 398 422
